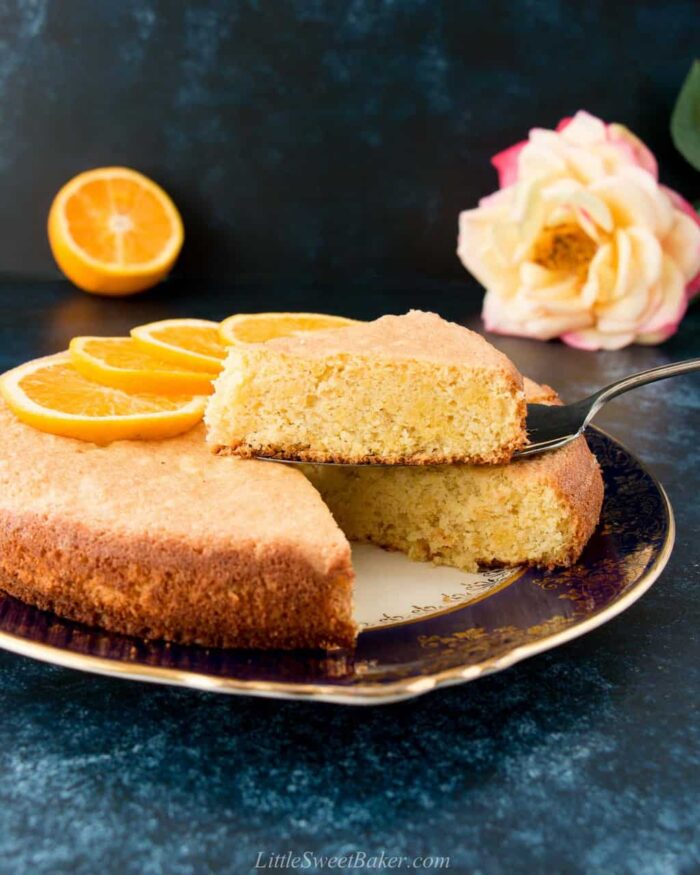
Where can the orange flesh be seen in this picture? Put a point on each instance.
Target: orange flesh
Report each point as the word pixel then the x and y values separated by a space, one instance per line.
pixel 126 354
pixel 82 397
pixel 204 340
pixel 117 221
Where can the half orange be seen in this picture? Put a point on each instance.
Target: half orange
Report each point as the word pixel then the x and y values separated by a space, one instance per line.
pixel 113 231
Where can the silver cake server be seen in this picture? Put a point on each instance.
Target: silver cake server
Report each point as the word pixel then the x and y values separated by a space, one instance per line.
pixel 552 426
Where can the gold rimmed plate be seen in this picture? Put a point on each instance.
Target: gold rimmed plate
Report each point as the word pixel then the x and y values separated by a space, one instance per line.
pixel 423 626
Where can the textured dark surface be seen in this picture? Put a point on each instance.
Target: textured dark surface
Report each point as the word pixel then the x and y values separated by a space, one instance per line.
pixel 584 759
pixel 312 137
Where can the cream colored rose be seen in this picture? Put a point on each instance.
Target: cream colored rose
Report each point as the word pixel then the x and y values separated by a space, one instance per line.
pixel 582 243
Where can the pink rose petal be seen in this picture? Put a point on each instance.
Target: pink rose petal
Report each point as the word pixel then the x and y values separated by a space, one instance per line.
pixel 633 147
pixel 506 163
pixel 663 332
pixel 680 203
pixel 651 338
pixel 669 310
pixel 592 340
pixel 579 341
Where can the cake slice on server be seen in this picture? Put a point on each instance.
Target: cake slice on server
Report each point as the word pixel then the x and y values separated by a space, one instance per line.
pixel 410 389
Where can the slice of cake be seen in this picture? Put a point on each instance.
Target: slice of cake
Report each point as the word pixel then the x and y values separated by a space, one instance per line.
pixel 410 389
pixel 540 510
pixel 161 539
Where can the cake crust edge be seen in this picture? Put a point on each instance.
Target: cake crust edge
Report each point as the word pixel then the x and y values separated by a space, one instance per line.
pixel 151 589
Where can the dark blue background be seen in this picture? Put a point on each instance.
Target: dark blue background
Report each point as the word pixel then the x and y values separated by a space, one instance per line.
pixel 323 139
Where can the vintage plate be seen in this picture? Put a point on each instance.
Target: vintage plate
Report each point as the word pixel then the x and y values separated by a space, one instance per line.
pixel 424 626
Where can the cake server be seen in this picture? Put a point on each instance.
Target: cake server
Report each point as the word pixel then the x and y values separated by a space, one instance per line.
pixel 553 426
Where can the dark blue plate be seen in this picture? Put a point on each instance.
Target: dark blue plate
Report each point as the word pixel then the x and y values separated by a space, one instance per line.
pixel 515 615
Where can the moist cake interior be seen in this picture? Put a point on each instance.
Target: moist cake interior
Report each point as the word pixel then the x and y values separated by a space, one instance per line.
pixel 470 515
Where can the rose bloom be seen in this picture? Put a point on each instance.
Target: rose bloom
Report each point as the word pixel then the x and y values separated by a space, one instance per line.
pixel 581 242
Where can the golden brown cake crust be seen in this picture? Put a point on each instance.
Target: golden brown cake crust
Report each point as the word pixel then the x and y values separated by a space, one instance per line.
pixel 245 451
pixel 163 540
pixel 574 474
pixel 539 393
pixel 416 335
pixel 255 598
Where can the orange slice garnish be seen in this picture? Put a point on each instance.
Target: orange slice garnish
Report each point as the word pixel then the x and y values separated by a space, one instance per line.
pixel 259 327
pixel 187 343
pixel 51 395
pixel 121 363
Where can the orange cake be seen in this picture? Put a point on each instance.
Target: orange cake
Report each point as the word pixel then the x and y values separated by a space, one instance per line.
pixel 161 539
pixel 410 389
